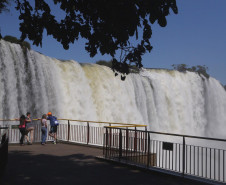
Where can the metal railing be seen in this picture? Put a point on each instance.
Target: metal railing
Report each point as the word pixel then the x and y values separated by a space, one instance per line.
pixel 77 131
pixel 3 149
pixel 181 154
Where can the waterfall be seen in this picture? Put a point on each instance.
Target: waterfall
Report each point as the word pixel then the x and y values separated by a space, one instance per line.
pixel 165 100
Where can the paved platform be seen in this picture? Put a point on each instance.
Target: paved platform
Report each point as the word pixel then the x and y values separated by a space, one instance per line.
pixel 67 164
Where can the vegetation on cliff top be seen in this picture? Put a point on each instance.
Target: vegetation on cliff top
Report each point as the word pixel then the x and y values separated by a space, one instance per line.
pixel 12 39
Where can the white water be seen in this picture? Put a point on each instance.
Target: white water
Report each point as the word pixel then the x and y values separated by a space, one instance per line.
pixel 167 101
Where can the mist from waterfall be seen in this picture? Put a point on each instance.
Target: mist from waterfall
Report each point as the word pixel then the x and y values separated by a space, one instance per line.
pixel 165 100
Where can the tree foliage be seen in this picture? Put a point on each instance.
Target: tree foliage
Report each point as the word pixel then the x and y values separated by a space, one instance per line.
pixel 132 68
pixel 199 69
pixel 104 63
pixel 12 39
pixel 3 5
pixel 108 26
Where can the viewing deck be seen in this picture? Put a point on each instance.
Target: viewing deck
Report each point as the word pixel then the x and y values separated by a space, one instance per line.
pixel 67 164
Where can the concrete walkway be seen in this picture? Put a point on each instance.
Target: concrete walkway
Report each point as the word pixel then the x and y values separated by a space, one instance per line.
pixel 65 164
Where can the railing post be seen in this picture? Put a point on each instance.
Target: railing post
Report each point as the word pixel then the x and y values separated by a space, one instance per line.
pixel 87 133
pixel 68 129
pixel 120 144
pixel 148 155
pixel 127 141
pixel 183 156
pixel 106 144
pixel 110 138
pixel 145 141
pixel 135 140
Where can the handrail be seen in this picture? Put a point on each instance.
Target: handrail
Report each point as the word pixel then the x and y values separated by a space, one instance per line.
pixel 4 127
pixel 113 123
pixel 137 147
pixel 179 135
pixel 125 126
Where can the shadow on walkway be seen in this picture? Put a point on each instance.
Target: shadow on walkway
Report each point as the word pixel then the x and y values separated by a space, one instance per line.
pixel 64 164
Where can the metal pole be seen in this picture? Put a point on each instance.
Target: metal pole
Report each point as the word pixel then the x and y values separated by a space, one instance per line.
pixel 148 157
pixel 120 144
pixel 106 144
pixel 135 140
pixel 127 141
pixel 145 140
pixel 68 128
pixel 183 155
pixel 87 133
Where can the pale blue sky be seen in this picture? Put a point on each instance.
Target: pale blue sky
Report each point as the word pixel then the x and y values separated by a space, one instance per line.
pixel 195 36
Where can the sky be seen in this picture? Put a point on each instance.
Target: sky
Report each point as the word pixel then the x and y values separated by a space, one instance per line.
pixel 195 36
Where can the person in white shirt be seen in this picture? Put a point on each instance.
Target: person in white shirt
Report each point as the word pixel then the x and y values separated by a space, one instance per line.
pixel 44 128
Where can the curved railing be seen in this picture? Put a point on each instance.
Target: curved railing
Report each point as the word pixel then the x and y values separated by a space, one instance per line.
pixel 185 155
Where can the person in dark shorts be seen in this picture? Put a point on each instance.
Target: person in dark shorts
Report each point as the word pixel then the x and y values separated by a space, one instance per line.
pixel 53 128
pixel 22 128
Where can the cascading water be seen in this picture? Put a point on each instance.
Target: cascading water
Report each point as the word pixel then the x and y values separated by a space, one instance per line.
pixel 165 100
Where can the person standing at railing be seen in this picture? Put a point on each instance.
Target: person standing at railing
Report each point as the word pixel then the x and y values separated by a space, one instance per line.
pixel 44 128
pixel 53 123
pixel 30 127
pixel 22 128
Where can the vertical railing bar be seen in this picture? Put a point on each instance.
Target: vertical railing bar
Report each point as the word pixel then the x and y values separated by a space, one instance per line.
pixel 110 141
pixel 210 162
pixel 78 133
pixel 190 159
pixel 135 140
pixel 153 153
pixel 219 164
pixel 140 146
pixel 104 142
pixel 183 155
pixel 159 153
pixel 194 160
pixel 176 159
pixel 172 157
pixel 179 156
pixel 81 131
pixel 127 142
pixel 137 150
pixel 134 143
pixel 148 157
pixel 68 138
pixel 206 162
pixel 142 150
pixel 214 168
pixel 202 161
pixel 165 159
pixel 106 153
pixel 95 138
pixel 198 161
pixel 120 144
pixel 87 133
pixel 223 166
pixel 169 159
pixel 146 139
pixel 163 153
